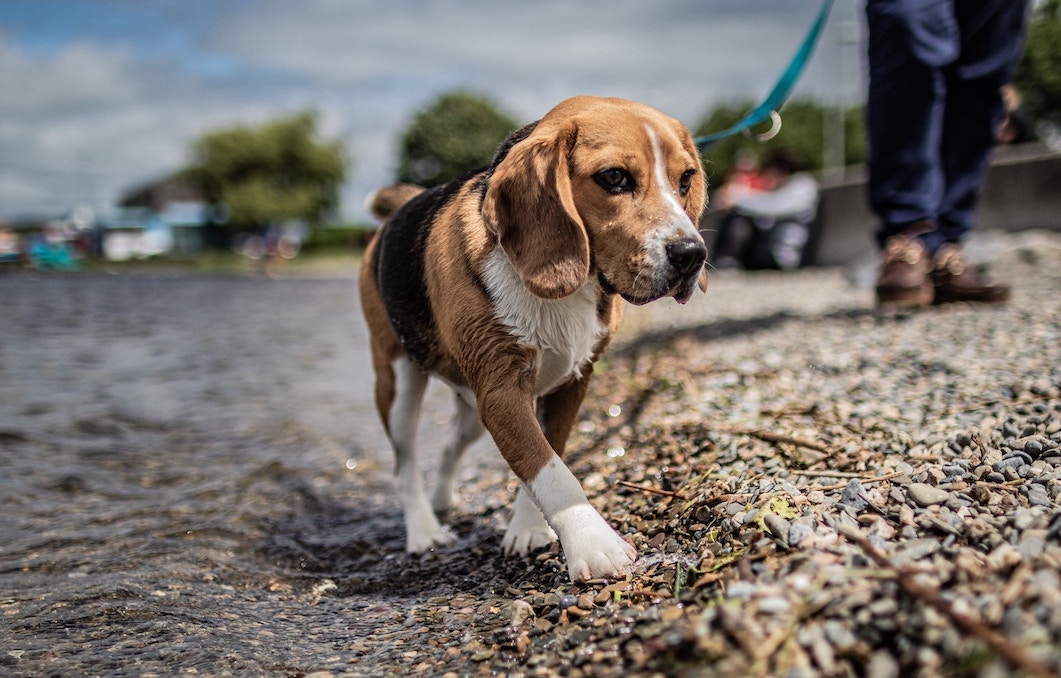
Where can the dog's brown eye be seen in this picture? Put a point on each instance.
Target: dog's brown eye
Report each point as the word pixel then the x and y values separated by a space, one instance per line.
pixel 686 181
pixel 614 180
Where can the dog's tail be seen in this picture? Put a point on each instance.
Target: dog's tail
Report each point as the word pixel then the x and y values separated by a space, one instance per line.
pixel 386 201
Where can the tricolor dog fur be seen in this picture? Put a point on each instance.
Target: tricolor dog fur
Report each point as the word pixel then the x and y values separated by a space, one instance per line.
pixel 507 283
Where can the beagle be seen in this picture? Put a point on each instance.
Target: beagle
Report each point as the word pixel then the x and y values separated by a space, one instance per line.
pixel 507 284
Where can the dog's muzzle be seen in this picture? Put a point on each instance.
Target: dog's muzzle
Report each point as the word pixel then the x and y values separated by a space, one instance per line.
pixel 684 260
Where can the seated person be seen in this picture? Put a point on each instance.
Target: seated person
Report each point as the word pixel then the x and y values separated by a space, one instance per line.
pixel 769 229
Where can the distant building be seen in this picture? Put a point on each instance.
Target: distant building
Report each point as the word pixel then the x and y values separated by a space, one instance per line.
pixel 165 216
pixel 158 195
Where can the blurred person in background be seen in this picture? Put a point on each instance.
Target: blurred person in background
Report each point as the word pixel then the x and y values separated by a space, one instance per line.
pixel 768 228
pixel 1017 126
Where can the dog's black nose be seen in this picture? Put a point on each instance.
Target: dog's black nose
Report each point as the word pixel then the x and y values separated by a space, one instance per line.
pixel 687 255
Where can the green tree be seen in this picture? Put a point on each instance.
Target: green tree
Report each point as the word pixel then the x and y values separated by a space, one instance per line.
pixel 802 131
pixel 1039 73
pixel 270 173
pixel 458 132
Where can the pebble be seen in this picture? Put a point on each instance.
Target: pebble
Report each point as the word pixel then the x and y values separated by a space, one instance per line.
pixel 778 526
pixel 798 533
pixel 1038 496
pixel 854 495
pixel 926 495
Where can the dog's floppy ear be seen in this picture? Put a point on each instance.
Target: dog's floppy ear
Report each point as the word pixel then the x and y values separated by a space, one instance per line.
pixel 529 207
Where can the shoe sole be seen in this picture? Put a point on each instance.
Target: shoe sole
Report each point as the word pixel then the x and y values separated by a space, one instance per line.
pixel 994 297
pixel 905 297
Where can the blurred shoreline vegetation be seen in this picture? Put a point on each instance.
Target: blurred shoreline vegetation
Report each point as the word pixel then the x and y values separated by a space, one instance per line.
pixel 264 175
pixel 1039 74
pixel 457 132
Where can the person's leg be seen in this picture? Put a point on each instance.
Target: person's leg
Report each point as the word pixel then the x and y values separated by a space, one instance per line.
pixel 910 43
pixel 992 38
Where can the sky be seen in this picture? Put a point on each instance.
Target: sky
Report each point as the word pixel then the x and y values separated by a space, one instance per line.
pixel 100 96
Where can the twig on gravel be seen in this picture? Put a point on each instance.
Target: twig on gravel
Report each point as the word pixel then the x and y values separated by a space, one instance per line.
pixel 991 402
pixel 770 437
pixel 651 490
pixel 830 474
pixel 843 474
pixel 1014 653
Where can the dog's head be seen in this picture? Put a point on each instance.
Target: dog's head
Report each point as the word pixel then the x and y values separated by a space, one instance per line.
pixel 602 187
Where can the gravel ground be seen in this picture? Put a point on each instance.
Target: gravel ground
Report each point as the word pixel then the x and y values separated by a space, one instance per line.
pixel 813 488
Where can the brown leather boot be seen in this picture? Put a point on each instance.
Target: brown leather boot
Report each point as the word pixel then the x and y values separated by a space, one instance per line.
pixel 904 274
pixel 955 279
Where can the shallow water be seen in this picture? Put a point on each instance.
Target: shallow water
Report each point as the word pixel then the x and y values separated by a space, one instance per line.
pixel 193 478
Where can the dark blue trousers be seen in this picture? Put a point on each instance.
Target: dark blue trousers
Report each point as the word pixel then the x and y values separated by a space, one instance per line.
pixel 935 70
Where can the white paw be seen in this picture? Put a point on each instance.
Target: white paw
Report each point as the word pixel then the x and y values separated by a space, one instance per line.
pixel 593 549
pixel 520 540
pixel 527 530
pixel 425 533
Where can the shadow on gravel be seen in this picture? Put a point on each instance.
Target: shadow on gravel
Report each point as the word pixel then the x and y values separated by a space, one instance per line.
pixel 360 547
pixel 724 329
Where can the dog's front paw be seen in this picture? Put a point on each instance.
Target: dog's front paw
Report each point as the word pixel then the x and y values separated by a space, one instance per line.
pixel 520 540
pixel 609 557
pixel 593 549
pixel 527 530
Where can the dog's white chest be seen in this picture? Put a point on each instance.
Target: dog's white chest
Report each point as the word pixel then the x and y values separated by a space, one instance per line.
pixel 563 331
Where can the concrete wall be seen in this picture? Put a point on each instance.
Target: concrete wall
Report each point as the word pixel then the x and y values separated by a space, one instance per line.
pixel 1022 190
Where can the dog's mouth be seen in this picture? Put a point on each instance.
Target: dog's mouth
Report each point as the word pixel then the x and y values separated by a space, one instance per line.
pixel 681 287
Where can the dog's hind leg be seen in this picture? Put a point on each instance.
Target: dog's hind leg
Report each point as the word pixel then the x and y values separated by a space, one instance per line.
pixel 422 529
pixel 466 430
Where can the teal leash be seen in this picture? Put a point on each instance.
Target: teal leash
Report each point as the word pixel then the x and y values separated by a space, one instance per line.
pixel 767 110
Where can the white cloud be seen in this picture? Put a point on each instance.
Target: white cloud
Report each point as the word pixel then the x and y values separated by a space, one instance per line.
pixel 101 116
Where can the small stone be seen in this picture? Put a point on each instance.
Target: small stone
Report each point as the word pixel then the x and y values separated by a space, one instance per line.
pixel 778 526
pixel 740 590
pixel 798 532
pixel 521 611
pixel 586 600
pixel 1014 460
pixel 882 665
pixel 915 549
pixel 774 605
pixel 854 495
pixel 1032 543
pixel 840 635
pixel 1038 496
pixel 924 495
pixel 1033 448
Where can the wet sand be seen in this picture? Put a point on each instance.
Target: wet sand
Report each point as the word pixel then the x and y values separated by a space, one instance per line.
pixel 170 446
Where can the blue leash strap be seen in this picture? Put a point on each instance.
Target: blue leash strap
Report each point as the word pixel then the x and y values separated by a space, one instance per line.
pixel 773 101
